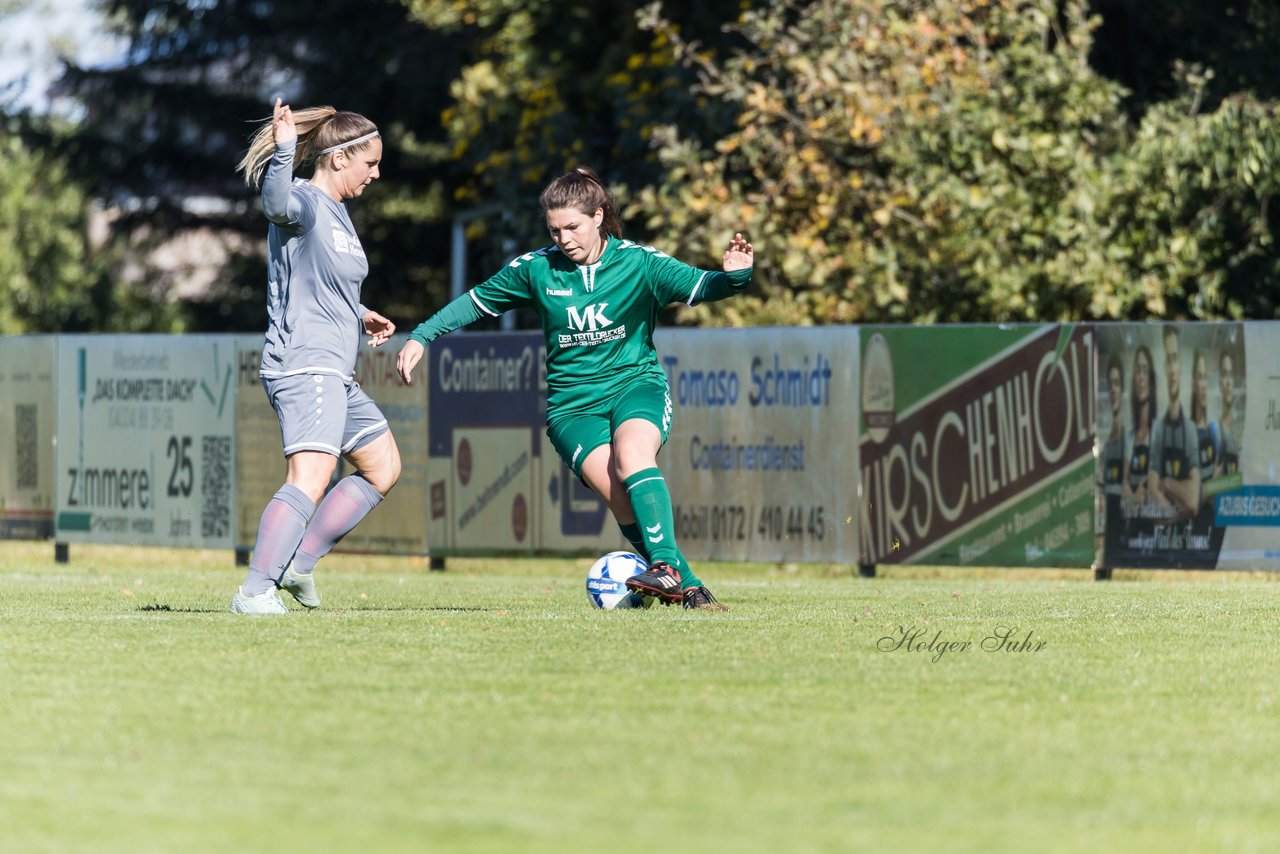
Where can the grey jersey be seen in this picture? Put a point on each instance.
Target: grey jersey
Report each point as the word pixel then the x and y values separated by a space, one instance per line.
pixel 315 266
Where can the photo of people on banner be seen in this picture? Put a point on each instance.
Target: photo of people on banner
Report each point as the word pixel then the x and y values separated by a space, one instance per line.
pixel 1171 410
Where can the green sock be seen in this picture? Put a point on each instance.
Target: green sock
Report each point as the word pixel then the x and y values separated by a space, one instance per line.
pixel 651 502
pixel 687 578
pixel 632 532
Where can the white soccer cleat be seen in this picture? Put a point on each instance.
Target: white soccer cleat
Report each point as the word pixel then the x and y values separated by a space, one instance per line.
pixel 266 603
pixel 301 587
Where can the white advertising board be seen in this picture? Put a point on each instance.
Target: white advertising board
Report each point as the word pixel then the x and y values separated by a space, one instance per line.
pixel 398 525
pixel 26 437
pixel 145 440
pixel 762 460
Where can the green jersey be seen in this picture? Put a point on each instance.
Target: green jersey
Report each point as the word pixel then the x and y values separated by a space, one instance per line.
pixel 597 319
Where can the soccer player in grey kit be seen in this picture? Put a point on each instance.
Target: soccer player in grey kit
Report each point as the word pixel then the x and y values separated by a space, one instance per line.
pixel 315 268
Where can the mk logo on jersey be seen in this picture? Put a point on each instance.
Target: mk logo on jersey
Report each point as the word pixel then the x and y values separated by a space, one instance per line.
pixel 592 319
pixel 590 327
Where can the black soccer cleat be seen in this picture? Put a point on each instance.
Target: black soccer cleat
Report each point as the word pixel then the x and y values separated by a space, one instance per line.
pixel 700 597
pixel 658 580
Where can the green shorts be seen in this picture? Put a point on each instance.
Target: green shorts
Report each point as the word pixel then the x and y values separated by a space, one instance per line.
pixel 575 435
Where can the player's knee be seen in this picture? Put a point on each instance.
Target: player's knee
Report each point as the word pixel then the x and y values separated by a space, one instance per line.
pixel 628 460
pixel 379 463
pixel 385 474
pixel 311 473
pixel 392 476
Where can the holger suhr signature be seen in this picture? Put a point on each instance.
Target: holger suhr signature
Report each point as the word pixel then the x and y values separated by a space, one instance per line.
pixel 916 639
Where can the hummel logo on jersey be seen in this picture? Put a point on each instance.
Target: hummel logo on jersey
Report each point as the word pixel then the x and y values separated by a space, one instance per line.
pixel 655 530
pixel 591 320
pixel 559 292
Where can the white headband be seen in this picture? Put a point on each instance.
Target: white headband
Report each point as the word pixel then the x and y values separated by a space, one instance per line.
pixel 349 143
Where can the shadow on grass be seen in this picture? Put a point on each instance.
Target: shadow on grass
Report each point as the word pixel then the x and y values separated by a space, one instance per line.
pixel 168 609
pixel 158 608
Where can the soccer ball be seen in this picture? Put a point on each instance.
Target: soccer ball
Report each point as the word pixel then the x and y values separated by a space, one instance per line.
pixel 607 582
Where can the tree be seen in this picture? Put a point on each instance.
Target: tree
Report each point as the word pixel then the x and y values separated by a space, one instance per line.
pixel 953 162
pixel 50 278
pixel 891 159
pixel 164 128
pixel 1190 196
pixel 1141 43
pixel 547 87
pixel 480 103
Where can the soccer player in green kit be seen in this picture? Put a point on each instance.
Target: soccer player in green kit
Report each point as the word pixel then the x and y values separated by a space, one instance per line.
pixel 608 405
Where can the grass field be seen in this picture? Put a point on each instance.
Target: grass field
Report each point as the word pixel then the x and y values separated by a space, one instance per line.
pixel 487 708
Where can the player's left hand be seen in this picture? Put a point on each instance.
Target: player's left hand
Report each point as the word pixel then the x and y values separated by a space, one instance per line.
pixel 378 327
pixel 282 125
pixel 739 256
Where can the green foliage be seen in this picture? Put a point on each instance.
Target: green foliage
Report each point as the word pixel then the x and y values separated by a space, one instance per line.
pixel 962 163
pixel 47 274
pixel 890 160
pixel 547 87
pixel 1191 197
pixel 164 128
pixel 53 278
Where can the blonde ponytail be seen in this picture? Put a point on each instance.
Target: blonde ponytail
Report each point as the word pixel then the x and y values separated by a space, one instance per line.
pixel 319 128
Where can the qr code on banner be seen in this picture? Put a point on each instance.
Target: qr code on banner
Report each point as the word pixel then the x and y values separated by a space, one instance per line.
pixel 215 485
pixel 26 435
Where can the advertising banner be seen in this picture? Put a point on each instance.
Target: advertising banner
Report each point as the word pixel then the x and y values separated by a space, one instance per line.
pixel 26 437
pixel 495 483
pixel 145 451
pixel 762 456
pixel 398 525
pixel 976 445
pixel 1188 439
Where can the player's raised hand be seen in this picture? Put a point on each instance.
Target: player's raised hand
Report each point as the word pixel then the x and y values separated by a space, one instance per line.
pixel 739 256
pixel 282 123
pixel 378 328
pixel 410 355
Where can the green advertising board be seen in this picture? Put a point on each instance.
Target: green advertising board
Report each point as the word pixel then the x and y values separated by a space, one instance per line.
pixel 976 445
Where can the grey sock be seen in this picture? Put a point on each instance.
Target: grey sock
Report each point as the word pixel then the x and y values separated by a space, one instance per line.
pixel 340 511
pixel 283 523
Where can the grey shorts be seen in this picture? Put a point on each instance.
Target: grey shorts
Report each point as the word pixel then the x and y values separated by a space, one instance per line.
pixel 322 412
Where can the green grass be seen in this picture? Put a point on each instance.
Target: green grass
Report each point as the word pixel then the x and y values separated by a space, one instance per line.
pixel 487 708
